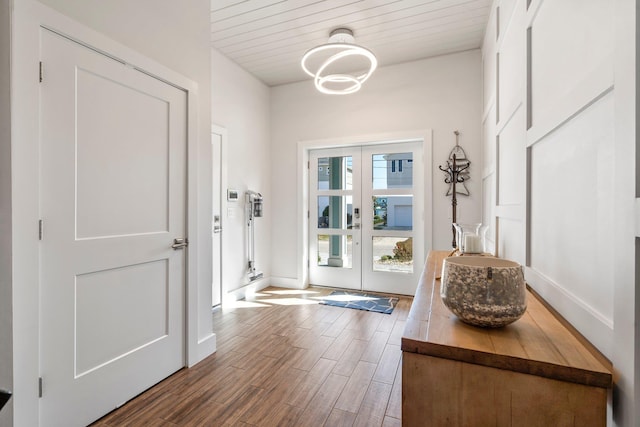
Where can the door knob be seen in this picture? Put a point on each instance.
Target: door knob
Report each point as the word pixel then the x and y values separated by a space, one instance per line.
pixel 180 243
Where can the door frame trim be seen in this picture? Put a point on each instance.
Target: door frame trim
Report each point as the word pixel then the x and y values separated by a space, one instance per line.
pixel 222 131
pixel 28 18
pixel 303 149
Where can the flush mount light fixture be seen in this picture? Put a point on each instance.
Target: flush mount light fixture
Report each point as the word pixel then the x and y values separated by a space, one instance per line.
pixel 325 62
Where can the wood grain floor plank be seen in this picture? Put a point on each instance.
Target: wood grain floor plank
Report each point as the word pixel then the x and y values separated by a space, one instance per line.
pixel 396 333
pixel 391 422
pixel 340 418
pixel 394 407
pixel 311 356
pixel 389 364
pixel 339 345
pixel 266 409
pixel 373 407
pixel 283 416
pixel 365 324
pixel 350 358
pixel 356 387
pixel 316 414
pixel 387 322
pixel 302 394
pixel 224 414
pixel 282 364
pixel 340 323
pixel 376 346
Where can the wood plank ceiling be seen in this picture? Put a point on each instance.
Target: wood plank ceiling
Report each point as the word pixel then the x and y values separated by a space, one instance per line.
pixel 268 37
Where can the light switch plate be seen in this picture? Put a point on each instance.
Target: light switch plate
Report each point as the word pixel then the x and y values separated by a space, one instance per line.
pixel 232 195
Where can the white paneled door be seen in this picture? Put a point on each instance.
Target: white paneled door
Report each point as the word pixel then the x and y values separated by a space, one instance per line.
pixel 113 201
pixel 366 209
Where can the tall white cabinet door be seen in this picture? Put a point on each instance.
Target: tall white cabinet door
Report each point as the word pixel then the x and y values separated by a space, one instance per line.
pixel 113 200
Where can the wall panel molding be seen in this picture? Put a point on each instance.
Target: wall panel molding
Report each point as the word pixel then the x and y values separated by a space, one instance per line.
pixel 566 73
pixel 637 217
pixel 573 309
pixel 511 161
pixel 561 114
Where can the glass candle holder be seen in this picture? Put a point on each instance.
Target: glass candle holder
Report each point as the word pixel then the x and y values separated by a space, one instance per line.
pixel 470 238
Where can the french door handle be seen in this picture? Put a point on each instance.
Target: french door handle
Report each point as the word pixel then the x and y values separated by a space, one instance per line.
pixel 179 243
pixel 356 226
pixel 217 228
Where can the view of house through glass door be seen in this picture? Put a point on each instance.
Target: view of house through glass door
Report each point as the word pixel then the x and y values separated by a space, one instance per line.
pixel 366 217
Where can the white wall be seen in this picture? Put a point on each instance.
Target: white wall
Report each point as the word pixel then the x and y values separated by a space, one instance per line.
pixel 558 177
pixel 442 94
pixel 240 103
pixel 174 36
pixel 6 339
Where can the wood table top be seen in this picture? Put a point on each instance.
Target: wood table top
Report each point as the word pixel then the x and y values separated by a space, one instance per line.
pixel 537 344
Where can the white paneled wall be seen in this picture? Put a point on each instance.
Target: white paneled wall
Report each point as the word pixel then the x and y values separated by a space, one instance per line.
pixel 558 146
pixel 551 152
pixel 572 218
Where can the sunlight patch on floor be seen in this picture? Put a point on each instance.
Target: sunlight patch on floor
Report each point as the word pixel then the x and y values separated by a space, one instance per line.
pixel 243 304
pixel 288 301
pixel 292 292
pixel 346 298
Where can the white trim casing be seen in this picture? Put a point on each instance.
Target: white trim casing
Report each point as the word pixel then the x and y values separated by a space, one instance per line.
pixel 637 217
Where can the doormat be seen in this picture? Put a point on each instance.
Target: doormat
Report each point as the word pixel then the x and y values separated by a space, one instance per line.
pixel 360 301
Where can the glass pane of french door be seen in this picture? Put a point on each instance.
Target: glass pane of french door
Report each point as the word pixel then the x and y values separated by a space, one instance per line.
pixel 392 225
pixel 334 233
pixel 366 210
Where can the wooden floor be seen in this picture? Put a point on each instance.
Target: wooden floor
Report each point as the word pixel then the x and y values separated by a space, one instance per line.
pixel 284 360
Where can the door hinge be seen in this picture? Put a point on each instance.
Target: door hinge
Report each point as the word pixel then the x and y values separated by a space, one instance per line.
pixel 40 387
pixel 308 165
pixel 40 73
pixel 308 263
pixel 308 215
pixel 40 229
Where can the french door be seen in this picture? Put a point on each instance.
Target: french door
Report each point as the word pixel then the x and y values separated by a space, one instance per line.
pixel 366 217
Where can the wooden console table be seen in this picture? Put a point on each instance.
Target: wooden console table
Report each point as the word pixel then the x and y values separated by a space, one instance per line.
pixel 534 372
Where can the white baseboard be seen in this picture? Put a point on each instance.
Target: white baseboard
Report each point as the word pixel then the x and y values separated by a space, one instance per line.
pixel 596 328
pixel 206 347
pixel 255 286
pixel 287 282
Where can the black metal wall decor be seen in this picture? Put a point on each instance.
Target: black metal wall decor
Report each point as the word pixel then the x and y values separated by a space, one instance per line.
pixel 456 173
pixel 5 395
pixel 461 158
